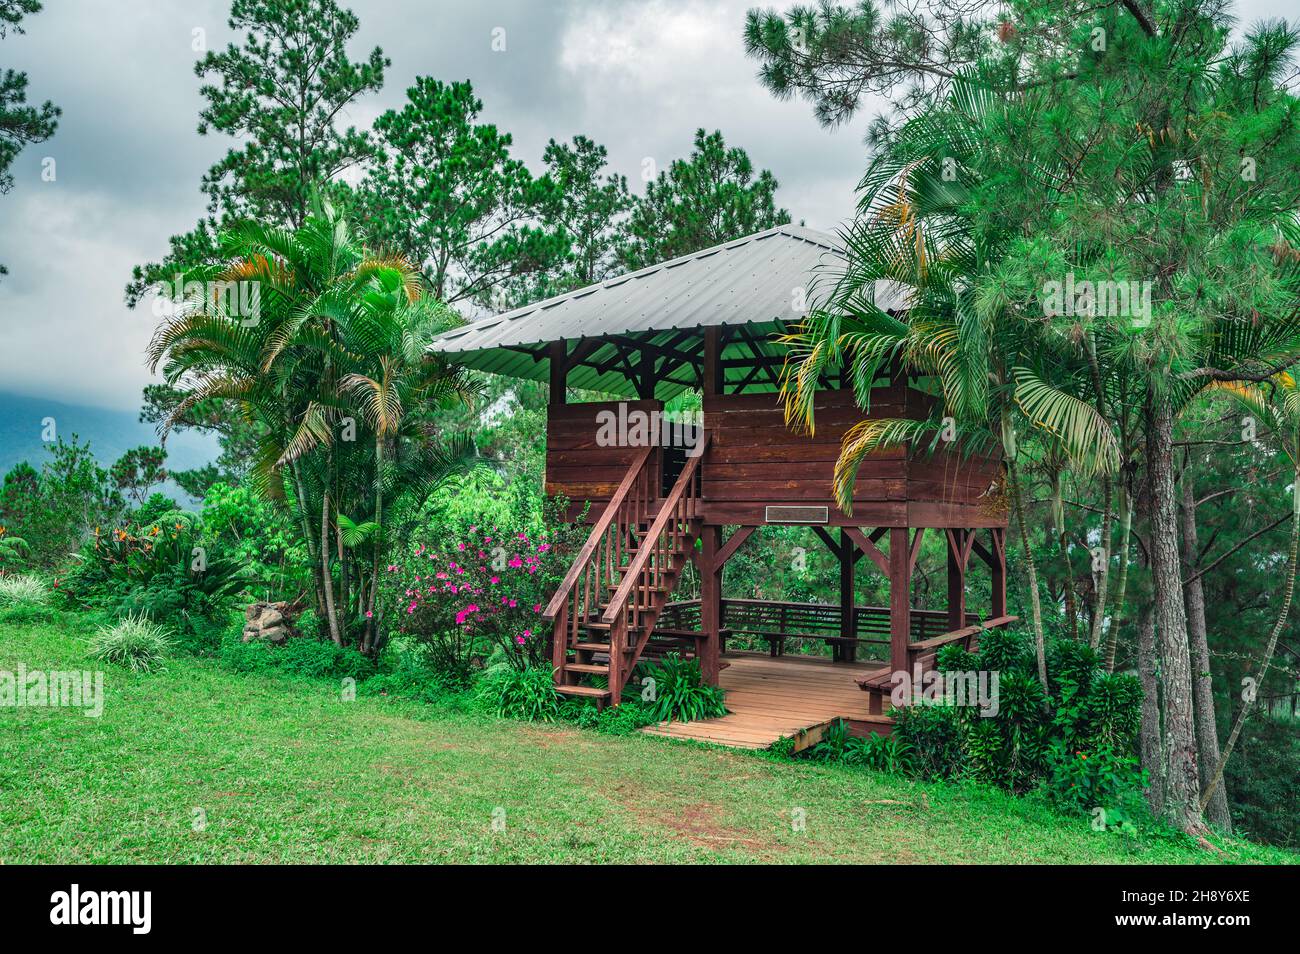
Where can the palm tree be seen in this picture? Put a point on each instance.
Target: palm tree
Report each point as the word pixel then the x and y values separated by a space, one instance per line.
pixel 331 315
pixel 998 373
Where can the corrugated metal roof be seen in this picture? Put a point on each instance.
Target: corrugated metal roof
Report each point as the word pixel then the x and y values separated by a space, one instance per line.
pixel 751 281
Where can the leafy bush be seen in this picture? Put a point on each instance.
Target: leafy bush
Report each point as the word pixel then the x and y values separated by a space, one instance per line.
pixel 624 719
pixel 136 643
pixel 879 753
pixel 167 570
pixel 512 693
pixel 1079 745
pixel 477 594
pixel 302 656
pixel 1261 776
pixel 23 591
pixel 680 692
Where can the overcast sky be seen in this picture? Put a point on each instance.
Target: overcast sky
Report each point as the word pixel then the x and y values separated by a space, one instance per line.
pixel 638 77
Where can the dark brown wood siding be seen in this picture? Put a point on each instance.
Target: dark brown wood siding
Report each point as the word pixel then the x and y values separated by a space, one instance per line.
pixel 756 460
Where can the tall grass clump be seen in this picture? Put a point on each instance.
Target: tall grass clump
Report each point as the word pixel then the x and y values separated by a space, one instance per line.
pixel 133 642
pixel 18 590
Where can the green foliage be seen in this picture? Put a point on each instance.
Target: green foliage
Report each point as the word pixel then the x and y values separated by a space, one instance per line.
pixel 303 656
pixel 513 693
pixel 704 200
pixel 168 570
pixel 134 642
pixel 1261 782
pixel 139 469
pixel 680 692
pixel 253 531
pixel 55 509
pixel 445 191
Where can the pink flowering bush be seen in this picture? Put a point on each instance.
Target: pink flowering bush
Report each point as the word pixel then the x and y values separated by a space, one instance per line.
pixel 466 598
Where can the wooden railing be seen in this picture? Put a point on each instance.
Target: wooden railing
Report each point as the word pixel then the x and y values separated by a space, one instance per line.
pixel 580 597
pixel 809 620
pixel 652 572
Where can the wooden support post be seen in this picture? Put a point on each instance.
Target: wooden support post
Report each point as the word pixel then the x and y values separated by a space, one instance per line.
pixel 957 553
pixel 847 651
pixel 711 378
pixel 998 568
pixel 559 357
pixel 710 603
pixel 900 604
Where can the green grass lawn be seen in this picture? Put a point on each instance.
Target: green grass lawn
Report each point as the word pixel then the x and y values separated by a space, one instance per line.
pixel 285 771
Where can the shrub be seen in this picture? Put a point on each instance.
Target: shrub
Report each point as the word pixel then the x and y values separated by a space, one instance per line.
pixel 302 656
pixel 471 596
pixel 680 692
pixel 23 591
pixel 136 643
pixel 512 693
pixel 167 570
pixel 931 734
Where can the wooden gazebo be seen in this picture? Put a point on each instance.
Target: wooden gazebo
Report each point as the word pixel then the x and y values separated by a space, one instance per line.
pixel 708 321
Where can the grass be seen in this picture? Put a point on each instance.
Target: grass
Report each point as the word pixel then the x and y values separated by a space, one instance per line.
pixel 283 770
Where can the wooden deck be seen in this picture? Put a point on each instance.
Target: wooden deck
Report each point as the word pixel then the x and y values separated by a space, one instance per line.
pixel 769 699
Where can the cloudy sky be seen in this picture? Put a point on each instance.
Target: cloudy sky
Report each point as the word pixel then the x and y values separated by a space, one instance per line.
pixel 638 77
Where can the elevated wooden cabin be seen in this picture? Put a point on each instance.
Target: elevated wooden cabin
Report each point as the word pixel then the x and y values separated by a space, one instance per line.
pixel 708 321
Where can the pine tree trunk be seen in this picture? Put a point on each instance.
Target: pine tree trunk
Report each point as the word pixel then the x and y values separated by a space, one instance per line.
pixel 1207 731
pixel 1249 702
pixel 1182 777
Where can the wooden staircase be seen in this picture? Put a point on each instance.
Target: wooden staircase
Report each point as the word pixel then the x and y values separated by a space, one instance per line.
pixel 605 610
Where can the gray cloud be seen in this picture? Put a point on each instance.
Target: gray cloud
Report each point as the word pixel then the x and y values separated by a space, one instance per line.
pixel 639 77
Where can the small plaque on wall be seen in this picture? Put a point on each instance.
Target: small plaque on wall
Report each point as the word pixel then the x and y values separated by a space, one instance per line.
pixel 798 515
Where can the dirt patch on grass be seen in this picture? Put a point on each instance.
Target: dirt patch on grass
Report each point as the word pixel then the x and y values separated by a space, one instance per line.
pixel 698 823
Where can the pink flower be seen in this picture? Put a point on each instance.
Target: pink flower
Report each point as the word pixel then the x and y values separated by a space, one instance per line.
pixel 461 547
pixel 537 607
pixel 495 579
pixel 519 640
pixel 369 614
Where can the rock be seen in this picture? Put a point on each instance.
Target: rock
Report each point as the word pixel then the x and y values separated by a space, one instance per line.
pixel 272 622
pixel 276 635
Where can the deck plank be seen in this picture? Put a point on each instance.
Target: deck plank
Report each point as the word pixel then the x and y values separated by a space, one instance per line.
pixel 771 698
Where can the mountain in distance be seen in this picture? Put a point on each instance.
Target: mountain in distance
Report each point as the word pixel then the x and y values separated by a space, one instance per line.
pixel 111 433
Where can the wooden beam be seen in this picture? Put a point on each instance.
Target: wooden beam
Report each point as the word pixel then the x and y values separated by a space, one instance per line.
pixel 868 546
pixel 914 550
pixel 998 605
pixel 957 546
pixel 846 651
pixel 713 381
pixel 727 550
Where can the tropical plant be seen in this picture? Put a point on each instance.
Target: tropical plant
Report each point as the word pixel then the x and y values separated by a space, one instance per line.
pixel 335 370
pixel 680 693
pixel 513 693
pixel 23 591
pixel 135 642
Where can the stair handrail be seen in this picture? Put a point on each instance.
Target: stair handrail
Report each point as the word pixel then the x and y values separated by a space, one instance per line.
pixel 597 535
pixel 665 515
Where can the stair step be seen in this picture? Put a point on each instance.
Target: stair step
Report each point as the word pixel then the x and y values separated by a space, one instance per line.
pixel 590 692
pixel 593 647
pixel 593 668
pixel 604 627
